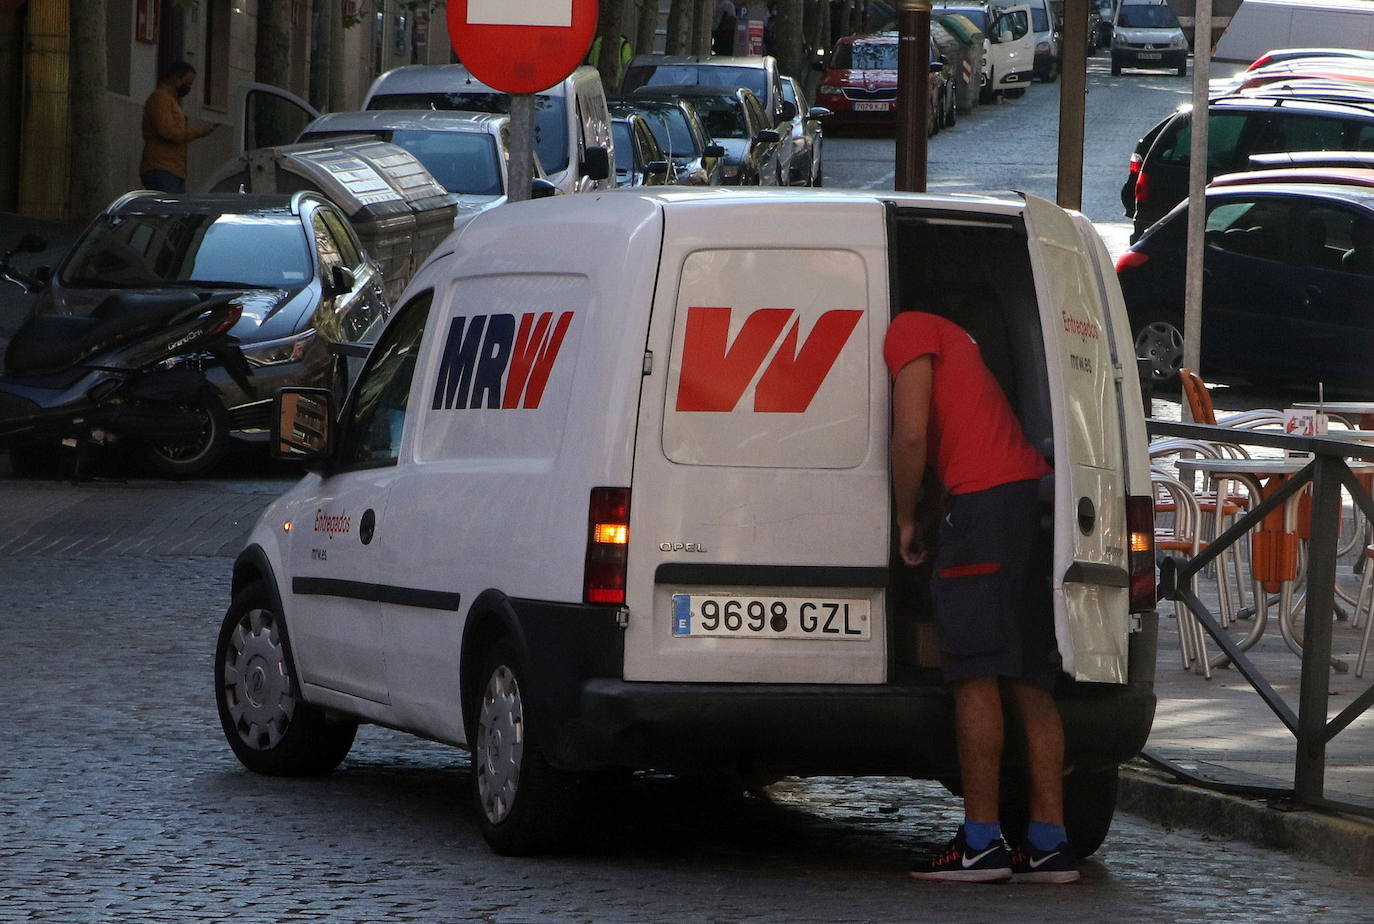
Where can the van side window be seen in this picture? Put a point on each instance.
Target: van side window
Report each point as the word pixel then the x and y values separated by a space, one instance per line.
pixel 374 419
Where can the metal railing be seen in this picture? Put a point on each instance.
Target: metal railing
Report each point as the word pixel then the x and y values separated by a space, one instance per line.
pixel 1327 473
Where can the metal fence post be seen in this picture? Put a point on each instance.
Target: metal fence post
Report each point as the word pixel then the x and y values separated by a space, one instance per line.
pixel 1310 771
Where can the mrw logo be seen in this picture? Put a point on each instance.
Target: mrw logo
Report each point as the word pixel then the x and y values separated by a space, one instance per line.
pixel 716 372
pixel 493 361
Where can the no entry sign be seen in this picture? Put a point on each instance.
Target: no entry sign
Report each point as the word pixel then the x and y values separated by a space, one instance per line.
pixel 521 46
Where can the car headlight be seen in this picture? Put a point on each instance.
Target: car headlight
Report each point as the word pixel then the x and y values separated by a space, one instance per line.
pixel 277 352
pixel 827 89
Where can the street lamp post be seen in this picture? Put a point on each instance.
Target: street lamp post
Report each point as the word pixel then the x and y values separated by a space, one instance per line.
pixel 913 93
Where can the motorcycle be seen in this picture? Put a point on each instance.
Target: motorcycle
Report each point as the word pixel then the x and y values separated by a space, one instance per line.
pixel 133 370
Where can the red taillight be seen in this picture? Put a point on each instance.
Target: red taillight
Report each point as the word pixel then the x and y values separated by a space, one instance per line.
pixel 1131 259
pixel 1134 166
pixel 1260 62
pixel 1142 186
pixel 230 319
pixel 1140 527
pixel 608 537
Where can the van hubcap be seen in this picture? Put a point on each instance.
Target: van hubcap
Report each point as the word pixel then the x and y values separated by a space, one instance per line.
pixel 500 744
pixel 257 689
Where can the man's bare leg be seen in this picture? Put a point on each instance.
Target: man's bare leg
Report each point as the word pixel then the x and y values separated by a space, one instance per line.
pixel 978 725
pixel 1044 752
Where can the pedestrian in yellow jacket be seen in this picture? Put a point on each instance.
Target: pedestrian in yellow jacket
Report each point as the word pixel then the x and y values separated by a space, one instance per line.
pixel 166 133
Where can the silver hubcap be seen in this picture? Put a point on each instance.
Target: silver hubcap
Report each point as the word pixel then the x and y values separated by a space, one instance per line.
pixel 500 744
pixel 257 688
pixel 1162 344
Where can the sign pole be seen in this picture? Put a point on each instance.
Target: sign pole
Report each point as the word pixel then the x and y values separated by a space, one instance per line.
pixel 520 170
pixel 1073 98
pixel 1197 186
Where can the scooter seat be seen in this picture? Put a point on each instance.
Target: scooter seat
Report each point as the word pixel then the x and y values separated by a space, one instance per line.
pixel 48 343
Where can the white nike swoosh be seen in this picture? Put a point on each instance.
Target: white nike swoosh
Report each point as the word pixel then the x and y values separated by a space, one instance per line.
pixel 1036 864
pixel 970 861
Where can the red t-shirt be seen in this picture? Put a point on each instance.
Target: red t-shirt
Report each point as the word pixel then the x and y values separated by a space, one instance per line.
pixel 975 440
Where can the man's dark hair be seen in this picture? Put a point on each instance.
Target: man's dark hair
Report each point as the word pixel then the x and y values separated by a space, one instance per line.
pixel 175 71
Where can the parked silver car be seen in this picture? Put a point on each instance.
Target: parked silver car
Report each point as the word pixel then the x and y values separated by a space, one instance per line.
pixel 806 168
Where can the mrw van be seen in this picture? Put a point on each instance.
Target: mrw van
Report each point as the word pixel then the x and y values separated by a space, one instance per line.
pixel 572 125
pixel 612 493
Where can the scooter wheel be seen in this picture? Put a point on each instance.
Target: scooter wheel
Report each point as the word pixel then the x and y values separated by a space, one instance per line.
pixel 184 460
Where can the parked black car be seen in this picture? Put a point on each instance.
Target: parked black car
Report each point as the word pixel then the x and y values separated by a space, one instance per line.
pixel 639 159
pixel 697 159
pixel 303 280
pixel 738 123
pixel 1238 126
pixel 1289 281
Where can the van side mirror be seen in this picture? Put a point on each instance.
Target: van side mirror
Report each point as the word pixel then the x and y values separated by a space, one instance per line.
pixel 713 150
pixel 596 163
pixel 303 427
pixel 541 188
pixel 339 281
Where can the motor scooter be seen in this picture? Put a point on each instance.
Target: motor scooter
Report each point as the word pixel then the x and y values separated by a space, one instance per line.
pixel 132 370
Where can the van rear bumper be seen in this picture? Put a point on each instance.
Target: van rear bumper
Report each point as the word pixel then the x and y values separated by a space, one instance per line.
pixel 803 729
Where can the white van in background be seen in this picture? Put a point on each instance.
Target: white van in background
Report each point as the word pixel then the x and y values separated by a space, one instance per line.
pixel 572 125
pixel 612 493
pixel 1260 25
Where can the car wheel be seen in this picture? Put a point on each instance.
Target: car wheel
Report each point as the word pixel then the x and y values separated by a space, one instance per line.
pixel 1161 342
pixel 1089 805
pixel 1116 66
pixel 819 179
pixel 198 455
pixel 953 114
pixel 269 727
pixel 524 805
pixel 1183 68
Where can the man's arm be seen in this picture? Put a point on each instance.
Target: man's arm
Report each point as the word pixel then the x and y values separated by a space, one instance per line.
pixel 911 391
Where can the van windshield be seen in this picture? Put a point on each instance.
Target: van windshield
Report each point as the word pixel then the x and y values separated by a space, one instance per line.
pixel 1143 16
pixel 550 116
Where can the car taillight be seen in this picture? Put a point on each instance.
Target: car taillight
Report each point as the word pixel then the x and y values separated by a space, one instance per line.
pixel 1134 166
pixel 231 317
pixel 1142 187
pixel 1131 259
pixel 1140 525
pixel 1260 62
pixel 608 537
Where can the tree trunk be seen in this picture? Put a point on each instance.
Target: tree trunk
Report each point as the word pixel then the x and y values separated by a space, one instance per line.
pixel 646 27
pixel 680 27
pixel 273 62
pixel 612 23
pixel 89 181
pixel 701 37
pixel 787 39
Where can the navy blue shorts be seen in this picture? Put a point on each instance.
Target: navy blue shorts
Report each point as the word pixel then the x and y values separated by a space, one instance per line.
pixel 995 615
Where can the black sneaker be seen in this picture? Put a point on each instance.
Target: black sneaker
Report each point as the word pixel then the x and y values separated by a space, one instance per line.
pixel 1059 865
pixel 960 864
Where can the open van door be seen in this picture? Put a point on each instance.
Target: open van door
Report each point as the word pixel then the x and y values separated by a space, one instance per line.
pixel 1011 47
pixel 270 116
pixel 1091 575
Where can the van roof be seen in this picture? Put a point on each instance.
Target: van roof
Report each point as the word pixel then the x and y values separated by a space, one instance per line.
pixel 434 120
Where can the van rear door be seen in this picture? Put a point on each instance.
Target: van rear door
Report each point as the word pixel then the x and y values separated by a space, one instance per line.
pixel 759 512
pixel 1091 540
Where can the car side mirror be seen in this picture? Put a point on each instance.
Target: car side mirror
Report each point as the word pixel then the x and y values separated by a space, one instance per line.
pixel 713 150
pixel 817 112
pixel 541 188
pixel 340 281
pixel 596 163
pixel 303 427
pixel 768 136
pixel 656 168
pixel 789 110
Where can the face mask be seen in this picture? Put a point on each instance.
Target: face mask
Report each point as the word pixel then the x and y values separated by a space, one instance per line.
pixel 183 90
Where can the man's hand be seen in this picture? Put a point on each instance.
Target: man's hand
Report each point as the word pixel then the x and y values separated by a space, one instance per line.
pixel 911 545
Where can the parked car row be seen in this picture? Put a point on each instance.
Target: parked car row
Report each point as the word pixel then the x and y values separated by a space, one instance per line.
pixel 1288 249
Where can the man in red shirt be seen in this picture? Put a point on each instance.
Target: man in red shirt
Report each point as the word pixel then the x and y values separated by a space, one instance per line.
pixel 950 414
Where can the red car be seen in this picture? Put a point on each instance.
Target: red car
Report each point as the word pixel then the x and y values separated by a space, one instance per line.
pixel 860 84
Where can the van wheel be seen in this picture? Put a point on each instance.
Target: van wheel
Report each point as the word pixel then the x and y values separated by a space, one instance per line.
pixel 1161 342
pixel 524 805
pixel 1183 69
pixel 1089 804
pixel 270 728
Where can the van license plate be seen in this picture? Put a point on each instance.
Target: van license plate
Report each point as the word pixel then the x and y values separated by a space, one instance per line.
pixel 872 107
pixel 698 615
pixel 1149 56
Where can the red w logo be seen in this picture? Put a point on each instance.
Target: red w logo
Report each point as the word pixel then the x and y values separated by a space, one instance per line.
pixel 715 372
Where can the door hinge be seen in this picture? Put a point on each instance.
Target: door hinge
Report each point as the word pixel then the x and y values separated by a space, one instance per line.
pixel 648 362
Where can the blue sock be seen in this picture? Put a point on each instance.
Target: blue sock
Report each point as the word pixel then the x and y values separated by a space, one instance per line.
pixel 1045 837
pixel 978 834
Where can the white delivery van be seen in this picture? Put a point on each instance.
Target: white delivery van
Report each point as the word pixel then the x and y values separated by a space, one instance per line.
pixel 1262 25
pixel 612 491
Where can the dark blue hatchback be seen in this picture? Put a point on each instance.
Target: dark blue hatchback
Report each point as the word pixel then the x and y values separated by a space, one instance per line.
pixel 1288 295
